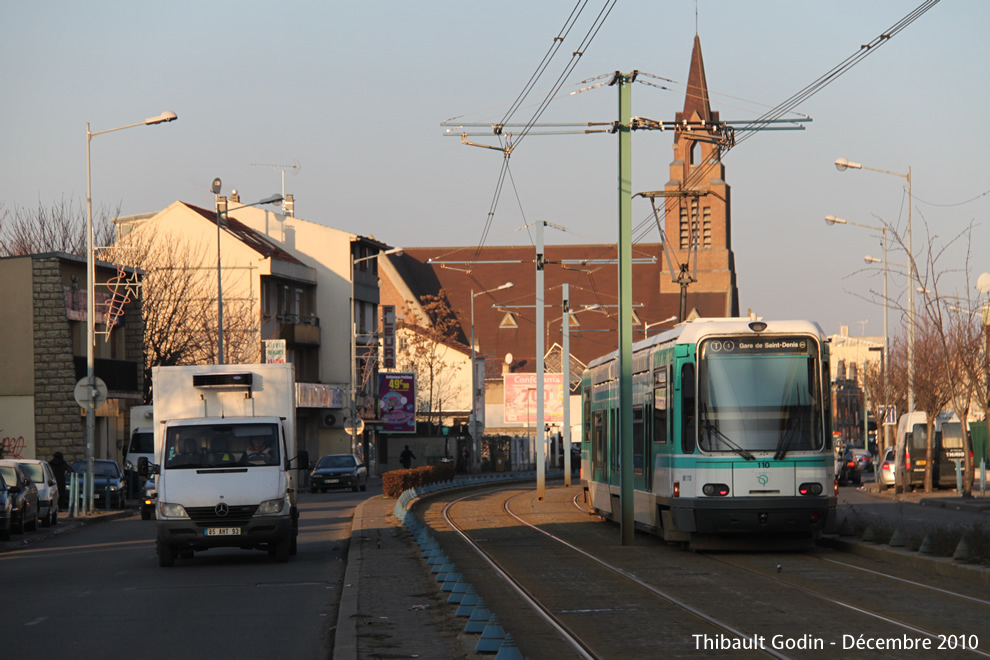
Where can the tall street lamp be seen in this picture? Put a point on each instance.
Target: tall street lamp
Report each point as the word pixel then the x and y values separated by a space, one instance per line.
pixel 273 199
pixel 832 220
pixel 475 394
pixel 353 351
pixel 91 302
pixel 842 164
pixel 647 326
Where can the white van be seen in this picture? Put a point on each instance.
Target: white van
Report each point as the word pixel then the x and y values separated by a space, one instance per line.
pixel 911 456
pixel 140 444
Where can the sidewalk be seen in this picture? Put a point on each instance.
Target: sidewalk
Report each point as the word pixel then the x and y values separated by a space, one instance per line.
pixel 390 604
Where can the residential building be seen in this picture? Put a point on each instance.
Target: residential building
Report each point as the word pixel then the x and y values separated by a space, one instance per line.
pixel 43 356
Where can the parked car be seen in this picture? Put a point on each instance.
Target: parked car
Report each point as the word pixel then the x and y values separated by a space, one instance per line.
pixel 864 462
pixel 149 499
pixel 338 471
pixel 48 491
pixel 25 496
pixel 6 511
pixel 846 471
pixel 108 479
pixel 885 473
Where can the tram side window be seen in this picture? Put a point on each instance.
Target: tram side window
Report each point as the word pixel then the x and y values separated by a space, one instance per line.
pixel 639 438
pixel 597 431
pixel 587 415
pixel 660 408
pixel 688 431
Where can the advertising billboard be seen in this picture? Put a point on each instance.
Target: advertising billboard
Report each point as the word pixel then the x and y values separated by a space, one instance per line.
pixel 397 398
pixel 520 398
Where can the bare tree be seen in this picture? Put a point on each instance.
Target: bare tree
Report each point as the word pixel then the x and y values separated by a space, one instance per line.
pixel 179 304
pixel 430 354
pixel 58 228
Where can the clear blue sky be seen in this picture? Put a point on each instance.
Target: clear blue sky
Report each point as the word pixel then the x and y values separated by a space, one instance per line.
pixel 356 93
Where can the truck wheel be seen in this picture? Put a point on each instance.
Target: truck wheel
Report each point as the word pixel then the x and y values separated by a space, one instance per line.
pixel 166 555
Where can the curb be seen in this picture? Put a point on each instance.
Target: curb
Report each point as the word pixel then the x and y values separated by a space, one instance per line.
pixel 64 526
pixel 945 566
pixel 345 632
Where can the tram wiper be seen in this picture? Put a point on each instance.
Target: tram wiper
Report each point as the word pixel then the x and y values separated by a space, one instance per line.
pixel 713 429
pixel 785 438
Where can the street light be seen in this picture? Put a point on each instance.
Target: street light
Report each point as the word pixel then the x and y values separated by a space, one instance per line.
pixel 647 326
pixel 474 374
pixel 832 220
pixel 842 165
pixel 91 302
pixel 353 339
pixel 273 199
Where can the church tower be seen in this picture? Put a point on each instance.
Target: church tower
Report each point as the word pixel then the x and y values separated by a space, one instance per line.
pixel 697 208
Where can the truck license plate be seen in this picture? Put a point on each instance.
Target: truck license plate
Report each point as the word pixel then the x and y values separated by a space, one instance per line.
pixel 222 531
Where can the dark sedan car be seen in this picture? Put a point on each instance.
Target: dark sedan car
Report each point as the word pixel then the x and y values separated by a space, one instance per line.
pixel 108 481
pixel 847 470
pixel 6 511
pixel 24 496
pixel 338 471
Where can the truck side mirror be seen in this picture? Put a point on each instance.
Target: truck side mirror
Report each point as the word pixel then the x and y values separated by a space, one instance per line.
pixel 143 466
pixel 302 460
pixel 152 468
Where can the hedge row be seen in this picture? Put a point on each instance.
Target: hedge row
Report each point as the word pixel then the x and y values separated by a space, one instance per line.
pixel 397 481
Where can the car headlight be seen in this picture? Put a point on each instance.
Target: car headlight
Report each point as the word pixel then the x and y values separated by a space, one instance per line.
pixel 169 510
pixel 270 507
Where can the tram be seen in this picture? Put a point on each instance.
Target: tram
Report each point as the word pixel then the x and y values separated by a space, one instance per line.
pixel 731 434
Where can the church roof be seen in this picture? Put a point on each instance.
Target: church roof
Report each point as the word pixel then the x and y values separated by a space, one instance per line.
pixel 696 99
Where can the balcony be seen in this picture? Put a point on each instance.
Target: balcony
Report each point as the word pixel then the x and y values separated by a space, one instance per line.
pixel 299 329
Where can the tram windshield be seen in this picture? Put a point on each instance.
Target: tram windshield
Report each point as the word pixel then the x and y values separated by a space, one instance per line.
pixel 759 395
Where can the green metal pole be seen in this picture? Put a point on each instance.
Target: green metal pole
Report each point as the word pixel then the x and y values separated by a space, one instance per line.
pixel 625 308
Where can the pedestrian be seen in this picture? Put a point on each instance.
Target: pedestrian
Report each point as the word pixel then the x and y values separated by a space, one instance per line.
pixel 406 458
pixel 60 467
pixel 465 460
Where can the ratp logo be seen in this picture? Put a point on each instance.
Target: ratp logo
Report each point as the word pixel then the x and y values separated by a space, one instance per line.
pixel 762 479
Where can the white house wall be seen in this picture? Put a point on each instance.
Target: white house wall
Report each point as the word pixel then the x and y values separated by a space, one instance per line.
pixel 327 250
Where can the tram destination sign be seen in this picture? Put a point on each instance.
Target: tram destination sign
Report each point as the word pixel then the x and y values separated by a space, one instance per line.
pixel 758 345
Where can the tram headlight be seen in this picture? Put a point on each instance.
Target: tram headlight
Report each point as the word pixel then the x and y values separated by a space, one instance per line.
pixel 715 490
pixel 813 489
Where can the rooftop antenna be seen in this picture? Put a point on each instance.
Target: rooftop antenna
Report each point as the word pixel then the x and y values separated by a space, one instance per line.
pixel 294 168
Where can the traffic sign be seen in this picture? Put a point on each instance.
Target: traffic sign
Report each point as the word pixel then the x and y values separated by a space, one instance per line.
pixel 84 394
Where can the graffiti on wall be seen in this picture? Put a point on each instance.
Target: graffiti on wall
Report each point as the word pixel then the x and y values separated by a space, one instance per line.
pixel 13 447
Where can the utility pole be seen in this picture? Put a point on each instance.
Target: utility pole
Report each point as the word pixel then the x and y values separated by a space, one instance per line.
pixel 624 129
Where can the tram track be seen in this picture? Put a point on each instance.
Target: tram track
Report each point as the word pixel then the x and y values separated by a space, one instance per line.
pixel 576 639
pixel 697 598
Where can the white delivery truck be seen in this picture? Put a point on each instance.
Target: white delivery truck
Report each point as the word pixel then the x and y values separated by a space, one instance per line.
pixel 225 448
pixel 140 444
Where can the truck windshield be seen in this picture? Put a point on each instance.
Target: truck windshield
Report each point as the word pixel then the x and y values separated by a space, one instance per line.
pixel 222 445
pixel 760 395
pixel 143 442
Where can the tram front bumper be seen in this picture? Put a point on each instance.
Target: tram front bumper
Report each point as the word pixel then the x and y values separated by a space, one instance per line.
pixel 754 514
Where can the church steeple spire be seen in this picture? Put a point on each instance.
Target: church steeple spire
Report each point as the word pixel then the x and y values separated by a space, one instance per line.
pixel 696 102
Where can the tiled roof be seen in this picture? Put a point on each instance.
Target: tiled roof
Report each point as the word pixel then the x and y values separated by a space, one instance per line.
pixel 594 283
pixel 253 239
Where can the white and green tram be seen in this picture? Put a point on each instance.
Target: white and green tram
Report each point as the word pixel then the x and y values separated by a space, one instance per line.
pixel 731 435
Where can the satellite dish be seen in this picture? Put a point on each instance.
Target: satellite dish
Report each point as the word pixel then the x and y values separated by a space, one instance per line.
pixel 983 283
pixel 508 358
